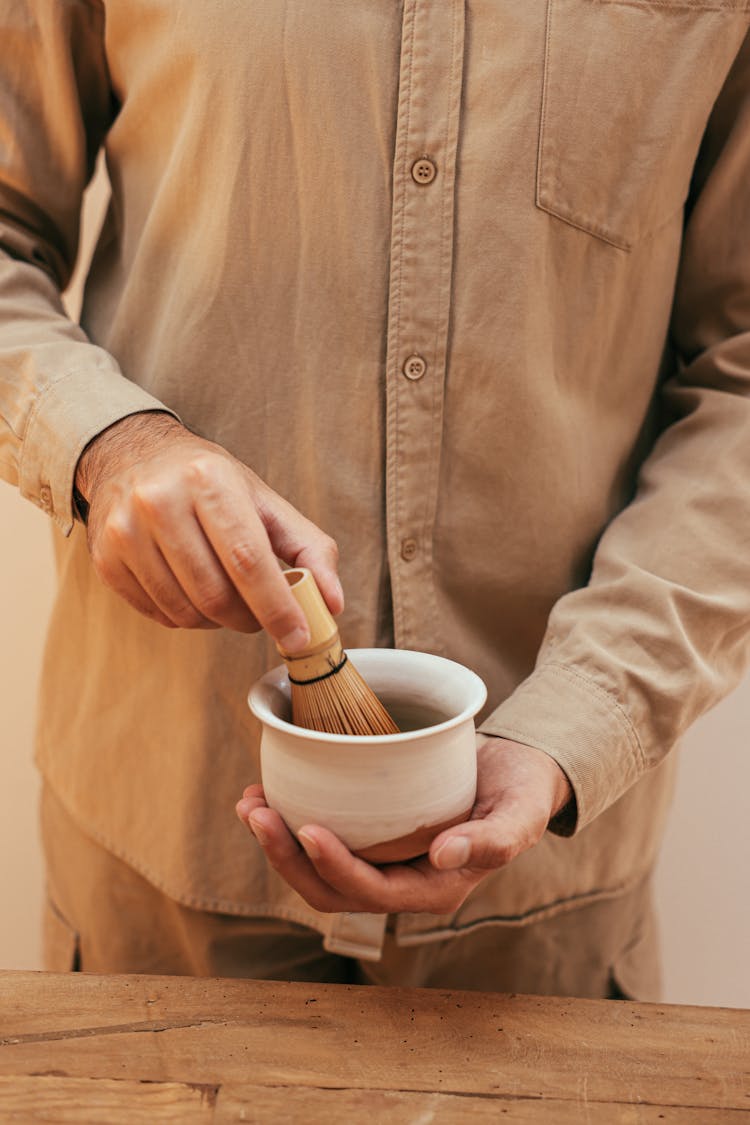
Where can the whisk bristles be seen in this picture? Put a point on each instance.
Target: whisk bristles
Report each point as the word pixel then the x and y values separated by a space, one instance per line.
pixel 340 703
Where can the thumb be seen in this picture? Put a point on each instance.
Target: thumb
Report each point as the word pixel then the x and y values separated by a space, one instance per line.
pixel 489 843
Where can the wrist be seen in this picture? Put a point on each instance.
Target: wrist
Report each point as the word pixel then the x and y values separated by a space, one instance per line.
pixel 129 437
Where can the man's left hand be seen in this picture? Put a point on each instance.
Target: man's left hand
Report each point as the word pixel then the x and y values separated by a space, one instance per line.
pixel 519 790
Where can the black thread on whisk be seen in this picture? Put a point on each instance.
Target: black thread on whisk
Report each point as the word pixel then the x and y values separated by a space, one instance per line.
pixel 317 679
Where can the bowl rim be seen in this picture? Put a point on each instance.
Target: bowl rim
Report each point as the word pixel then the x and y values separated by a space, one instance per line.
pixel 277 677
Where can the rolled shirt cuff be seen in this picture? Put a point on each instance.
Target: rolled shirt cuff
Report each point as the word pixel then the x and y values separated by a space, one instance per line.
pixel 69 414
pixel 569 716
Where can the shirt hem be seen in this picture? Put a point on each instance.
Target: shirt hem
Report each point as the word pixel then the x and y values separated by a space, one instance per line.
pixel 541 913
pixel 325 923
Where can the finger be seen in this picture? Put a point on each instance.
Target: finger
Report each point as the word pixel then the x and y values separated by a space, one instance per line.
pixel 254 790
pixel 318 560
pixel 233 527
pixel 287 857
pixel 197 568
pixel 247 805
pixel 492 841
pixel 125 537
pixel 160 583
pixel 414 886
pixel 299 542
pixel 118 578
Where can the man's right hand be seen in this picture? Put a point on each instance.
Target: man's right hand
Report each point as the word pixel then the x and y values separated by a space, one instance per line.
pixel 190 536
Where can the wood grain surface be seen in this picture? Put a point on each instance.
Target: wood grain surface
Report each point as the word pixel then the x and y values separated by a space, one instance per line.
pixel 86 1048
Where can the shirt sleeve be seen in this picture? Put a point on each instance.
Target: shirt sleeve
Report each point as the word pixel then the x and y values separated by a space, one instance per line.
pixel 57 389
pixel 661 632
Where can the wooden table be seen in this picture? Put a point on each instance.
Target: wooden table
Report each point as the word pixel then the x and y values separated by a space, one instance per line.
pixel 107 1049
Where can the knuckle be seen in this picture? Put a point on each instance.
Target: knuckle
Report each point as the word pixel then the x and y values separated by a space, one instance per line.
pixel 147 499
pixel 215 601
pixel 244 557
pixel 181 611
pixel 186 616
pixel 205 469
pixel 116 534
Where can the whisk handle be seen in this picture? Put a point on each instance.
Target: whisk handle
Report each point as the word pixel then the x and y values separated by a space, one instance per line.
pixel 323 629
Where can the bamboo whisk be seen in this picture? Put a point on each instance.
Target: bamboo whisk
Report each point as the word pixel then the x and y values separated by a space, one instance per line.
pixel 328 693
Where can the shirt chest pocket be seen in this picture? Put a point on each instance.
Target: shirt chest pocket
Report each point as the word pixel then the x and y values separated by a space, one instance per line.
pixel 628 89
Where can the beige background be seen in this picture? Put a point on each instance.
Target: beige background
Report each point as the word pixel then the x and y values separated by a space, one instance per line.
pixel 701 882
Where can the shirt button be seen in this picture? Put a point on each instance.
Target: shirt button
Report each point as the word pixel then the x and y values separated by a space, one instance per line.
pixel 408 549
pixel 45 497
pixel 423 171
pixel 414 367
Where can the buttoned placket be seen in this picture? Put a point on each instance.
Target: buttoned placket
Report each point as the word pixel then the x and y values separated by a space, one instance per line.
pixel 431 71
pixel 429 102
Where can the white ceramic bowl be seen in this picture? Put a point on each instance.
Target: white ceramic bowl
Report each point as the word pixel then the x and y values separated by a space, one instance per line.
pixel 385 796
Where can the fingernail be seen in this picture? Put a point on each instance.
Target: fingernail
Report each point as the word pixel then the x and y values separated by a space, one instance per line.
pixel 454 853
pixel 339 590
pixel 259 832
pixel 310 845
pixel 243 809
pixel 295 640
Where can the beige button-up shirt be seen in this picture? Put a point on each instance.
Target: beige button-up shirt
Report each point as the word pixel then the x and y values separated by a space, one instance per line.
pixel 464 280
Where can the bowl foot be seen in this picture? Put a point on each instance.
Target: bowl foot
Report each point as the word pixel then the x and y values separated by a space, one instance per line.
pixel 414 844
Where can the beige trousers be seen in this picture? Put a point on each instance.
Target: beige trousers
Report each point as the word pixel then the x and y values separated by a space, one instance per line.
pixel 103 917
